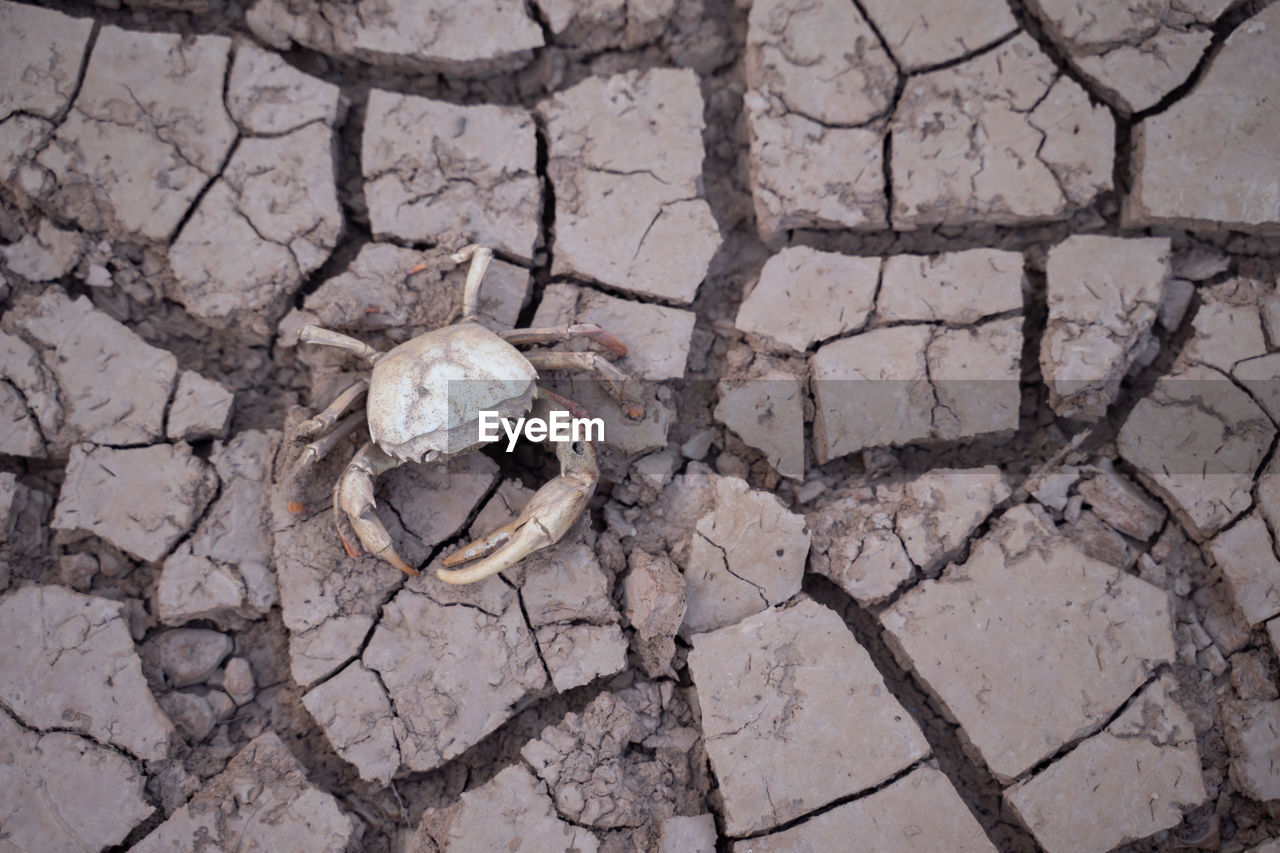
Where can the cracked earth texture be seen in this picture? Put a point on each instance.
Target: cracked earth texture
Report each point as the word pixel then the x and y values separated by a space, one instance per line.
pixel 953 522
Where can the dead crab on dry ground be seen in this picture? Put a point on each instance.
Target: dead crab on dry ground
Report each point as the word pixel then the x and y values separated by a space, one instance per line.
pixel 424 399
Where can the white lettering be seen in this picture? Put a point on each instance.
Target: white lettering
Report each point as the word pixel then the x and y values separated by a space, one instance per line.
pixel 489 426
pixel 512 434
pixel 588 429
pixel 559 428
pixel 559 425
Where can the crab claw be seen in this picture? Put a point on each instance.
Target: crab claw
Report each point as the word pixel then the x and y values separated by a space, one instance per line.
pixel 605 339
pixel 547 517
pixel 353 496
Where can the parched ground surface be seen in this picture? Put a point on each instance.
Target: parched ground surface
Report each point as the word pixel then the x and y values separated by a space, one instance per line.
pixel 951 523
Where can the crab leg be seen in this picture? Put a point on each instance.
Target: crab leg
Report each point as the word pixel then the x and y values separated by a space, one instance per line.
pixel 353 496
pixel 313 453
pixel 559 334
pixel 554 399
pixel 329 338
pixel 589 362
pixel 547 517
pixel 480 256
pixel 321 421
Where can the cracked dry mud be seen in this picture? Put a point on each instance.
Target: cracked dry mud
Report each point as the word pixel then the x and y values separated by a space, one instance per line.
pixel 953 521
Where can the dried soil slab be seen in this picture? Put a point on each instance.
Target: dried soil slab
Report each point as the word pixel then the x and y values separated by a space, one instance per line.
pixel 1001 139
pixel 856 546
pixel 689 834
pixel 446 700
pixel 1135 778
pixel 1251 676
pixel 46 254
pixel 261 801
pixel 224 572
pixel 921 811
pixel 819 81
pixel 159 97
pixel 768 414
pixel 1088 533
pixel 871 542
pixel 594 26
pixel 1119 502
pixel 954 287
pixel 41 52
pixel 19 432
pixel 21 137
pixel 353 710
pixel 1198 164
pixel 432 167
pixel 747 553
pixel 201 409
pixel 423 505
pixel 1247 557
pixel 820 60
pixel 630 758
pixel 872 390
pixel 267 95
pixel 142 500
pixel 1103 293
pixel 88 378
pixel 899 384
pixel 807 175
pixel 269 221
pixel 579 654
pixel 1029 643
pixel 805 296
pixel 626 164
pixel 1196 441
pixel 1229 337
pixel 563 584
pixel 33 390
pixel 328 600
pixel 653 596
pixel 931 32
pixel 452 36
pixel 63 792
pixel 510 811
pixel 375 292
pixel 1268 493
pixel 1259 376
pixel 1134 54
pixel 795 715
pixel 565 596
pixel 941 508
pixel 1250 731
pixel 975 371
pixel 187 656
pixel 657 337
pixel 68 663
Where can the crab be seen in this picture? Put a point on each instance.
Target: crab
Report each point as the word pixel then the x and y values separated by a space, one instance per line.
pixel 414 415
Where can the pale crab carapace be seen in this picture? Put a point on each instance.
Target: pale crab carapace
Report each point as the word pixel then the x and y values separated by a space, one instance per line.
pixel 422 404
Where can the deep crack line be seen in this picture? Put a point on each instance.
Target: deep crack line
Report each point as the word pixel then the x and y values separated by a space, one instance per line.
pixel 972 781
